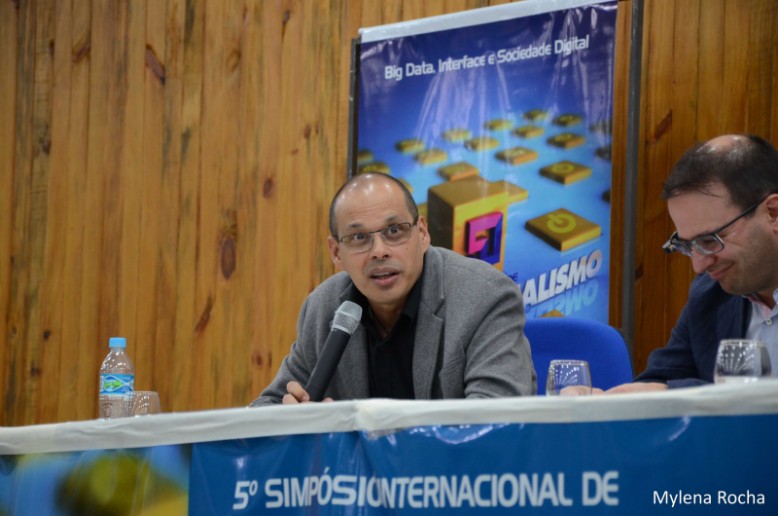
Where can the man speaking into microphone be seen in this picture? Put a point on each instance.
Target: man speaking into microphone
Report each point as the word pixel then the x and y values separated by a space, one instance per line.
pixel 433 324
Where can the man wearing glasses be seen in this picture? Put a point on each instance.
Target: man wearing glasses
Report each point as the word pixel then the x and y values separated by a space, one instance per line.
pixel 434 324
pixel 723 198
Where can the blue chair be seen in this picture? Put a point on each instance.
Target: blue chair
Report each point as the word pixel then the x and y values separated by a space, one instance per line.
pixel 601 345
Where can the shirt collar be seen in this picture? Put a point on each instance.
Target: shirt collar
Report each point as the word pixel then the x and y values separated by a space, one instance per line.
pixel 413 301
pixel 758 304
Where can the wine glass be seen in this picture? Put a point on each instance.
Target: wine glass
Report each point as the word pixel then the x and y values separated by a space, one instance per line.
pixel 571 376
pixel 142 403
pixel 741 361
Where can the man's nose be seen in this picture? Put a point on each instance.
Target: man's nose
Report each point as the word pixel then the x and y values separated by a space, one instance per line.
pixel 701 262
pixel 379 248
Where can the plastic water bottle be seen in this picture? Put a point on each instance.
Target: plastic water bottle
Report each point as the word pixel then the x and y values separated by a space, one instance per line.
pixel 117 377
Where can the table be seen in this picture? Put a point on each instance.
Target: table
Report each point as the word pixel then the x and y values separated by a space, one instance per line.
pixel 691 451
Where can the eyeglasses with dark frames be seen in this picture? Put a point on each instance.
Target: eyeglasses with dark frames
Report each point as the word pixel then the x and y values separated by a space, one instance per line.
pixel 709 243
pixel 392 235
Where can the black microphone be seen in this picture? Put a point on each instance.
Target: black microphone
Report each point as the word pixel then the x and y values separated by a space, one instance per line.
pixel 347 318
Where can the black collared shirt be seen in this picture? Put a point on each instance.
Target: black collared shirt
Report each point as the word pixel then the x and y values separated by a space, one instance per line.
pixel 390 360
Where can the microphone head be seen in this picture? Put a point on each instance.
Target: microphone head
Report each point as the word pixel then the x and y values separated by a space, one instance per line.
pixel 347 317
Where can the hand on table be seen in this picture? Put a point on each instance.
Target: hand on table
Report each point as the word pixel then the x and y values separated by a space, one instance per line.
pixel 579 390
pixel 637 387
pixel 619 389
pixel 295 393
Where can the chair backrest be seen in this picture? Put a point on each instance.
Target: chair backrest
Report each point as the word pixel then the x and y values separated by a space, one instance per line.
pixel 601 345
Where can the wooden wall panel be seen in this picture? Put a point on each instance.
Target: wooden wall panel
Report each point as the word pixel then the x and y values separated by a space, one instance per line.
pixel 53 308
pixel 767 24
pixel 32 169
pixel 656 92
pixel 190 316
pixel 618 161
pixel 761 58
pixel 263 157
pixel 9 49
pixel 166 170
pixel 78 357
pixel 686 82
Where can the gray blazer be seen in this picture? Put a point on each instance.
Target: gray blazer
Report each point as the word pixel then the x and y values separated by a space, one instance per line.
pixel 469 343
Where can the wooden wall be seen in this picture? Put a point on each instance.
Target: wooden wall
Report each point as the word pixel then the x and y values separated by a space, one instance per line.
pixel 166 168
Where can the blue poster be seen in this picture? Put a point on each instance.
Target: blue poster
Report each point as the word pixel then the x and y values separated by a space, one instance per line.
pixel 502 131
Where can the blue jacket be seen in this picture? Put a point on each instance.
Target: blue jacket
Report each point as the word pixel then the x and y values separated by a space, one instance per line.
pixel 709 316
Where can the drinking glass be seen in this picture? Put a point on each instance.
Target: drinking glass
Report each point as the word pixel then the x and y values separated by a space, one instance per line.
pixel 741 361
pixel 142 403
pixel 572 376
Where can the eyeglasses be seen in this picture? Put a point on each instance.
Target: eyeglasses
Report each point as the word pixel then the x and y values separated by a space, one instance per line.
pixel 709 243
pixel 393 234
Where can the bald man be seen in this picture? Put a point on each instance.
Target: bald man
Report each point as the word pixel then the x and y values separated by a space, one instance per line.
pixel 723 198
pixel 434 324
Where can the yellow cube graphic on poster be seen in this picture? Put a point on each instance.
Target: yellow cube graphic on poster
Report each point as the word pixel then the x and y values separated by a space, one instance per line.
pixel 515 192
pixel 529 131
pixel 457 171
pixel 469 216
pixel 567 140
pixel 562 229
pixel 517 155
pixel 457 135
pixel 568 119
pixel 374 167
pixel 566 172
pixel 364 156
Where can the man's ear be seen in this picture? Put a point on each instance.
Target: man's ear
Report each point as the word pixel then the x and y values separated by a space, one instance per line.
pixel 424 232
pixel 771 203
pixel 334 246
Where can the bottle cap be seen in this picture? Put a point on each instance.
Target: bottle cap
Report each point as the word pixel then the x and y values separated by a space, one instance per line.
pixel 117 342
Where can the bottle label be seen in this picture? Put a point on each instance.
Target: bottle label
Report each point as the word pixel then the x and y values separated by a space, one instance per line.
pixel 116 384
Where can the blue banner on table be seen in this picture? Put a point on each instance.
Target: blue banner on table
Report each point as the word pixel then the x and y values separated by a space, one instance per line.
pixel 502 131
pixel 628 467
